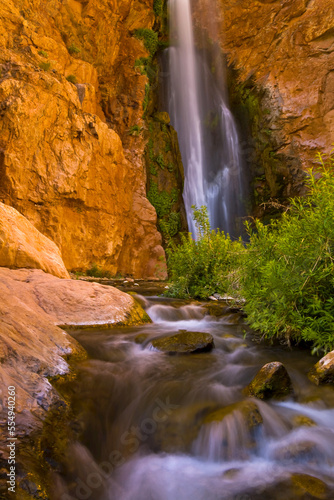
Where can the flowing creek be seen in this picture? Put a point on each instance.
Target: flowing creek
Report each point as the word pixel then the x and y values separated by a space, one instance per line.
pixel 145 416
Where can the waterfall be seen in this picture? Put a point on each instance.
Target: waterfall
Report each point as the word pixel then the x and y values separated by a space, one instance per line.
pixel 206 129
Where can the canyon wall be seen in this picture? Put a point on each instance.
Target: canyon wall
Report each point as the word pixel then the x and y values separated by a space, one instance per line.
pixel 69 93
pixel 283 56
pixel 280 72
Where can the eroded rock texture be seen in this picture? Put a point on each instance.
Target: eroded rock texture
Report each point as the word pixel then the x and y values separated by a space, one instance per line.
pixel 62 162
pixel 286 49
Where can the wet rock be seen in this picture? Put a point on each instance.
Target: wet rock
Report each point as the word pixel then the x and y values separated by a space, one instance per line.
pixel 299 451
pixel 162 117
pixel 296 487
pixel 32 346
pixel 181 428
pixel 247 409
pixel 323 371
pixel 303 421
pixel 272 381
pixel 184 343
pixel 141 338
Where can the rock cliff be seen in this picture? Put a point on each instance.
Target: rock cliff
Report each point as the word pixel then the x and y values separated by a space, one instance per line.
pixel 285 51
pixel 69 89
pixel 280 58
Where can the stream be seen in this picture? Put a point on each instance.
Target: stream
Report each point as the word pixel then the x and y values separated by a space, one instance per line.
pixel 145 423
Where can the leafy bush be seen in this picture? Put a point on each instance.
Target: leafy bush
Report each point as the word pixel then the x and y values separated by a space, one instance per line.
pixel 150 39
pixel 71 78
pixel 98 272
pixel 288 269
pixel 73 49
pixel 200 268
pixel 171 226
pixel 162 201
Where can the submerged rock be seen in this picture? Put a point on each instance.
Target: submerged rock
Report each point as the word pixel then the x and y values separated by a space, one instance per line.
pixel 141 338
pixel 184 343
pixel 323 371
pixel 296 487
pixel 177 433
pixel 272 381
pixel 247 409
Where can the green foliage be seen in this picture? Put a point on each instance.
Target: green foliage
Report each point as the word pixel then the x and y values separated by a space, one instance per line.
pixel 73 49
pixel 160 161
pixel 98 272
pixel 158 6
pixel 162 201
pixel 200 268
pixel 45 66
pixel 146 98
pixel 135 130
pixel 43 53
pixel 171 226
pixel 150 39
pixel 71 78
pixel 288 269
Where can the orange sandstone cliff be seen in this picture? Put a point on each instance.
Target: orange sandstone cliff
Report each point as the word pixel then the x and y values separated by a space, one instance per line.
pixel 68 90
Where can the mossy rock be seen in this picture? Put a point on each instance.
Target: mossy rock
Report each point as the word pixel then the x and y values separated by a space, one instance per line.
pixel 303 421
pixel 300 451
pixel 162 117
pixel 184 343
pixel 272 381
pixel 323 372
pixel 247 409
pixel 296 487
pixel 141 338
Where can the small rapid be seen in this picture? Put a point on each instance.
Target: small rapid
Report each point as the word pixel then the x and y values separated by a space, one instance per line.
pixel 159 427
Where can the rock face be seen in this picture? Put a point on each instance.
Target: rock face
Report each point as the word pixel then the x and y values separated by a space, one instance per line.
pixel 323 371
pixel 272 381
pixel 184 343
pixel 32 346
pixel 21 245
pixel 61 164
pixel 281 55
pixel 287 50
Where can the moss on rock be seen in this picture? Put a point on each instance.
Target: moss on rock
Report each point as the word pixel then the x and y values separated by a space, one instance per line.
pixel 272 381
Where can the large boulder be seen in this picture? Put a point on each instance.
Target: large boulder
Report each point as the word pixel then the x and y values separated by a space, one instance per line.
pixel 272 381
pixel 323 371
pixel 33 346
pixel 21 245
pixel 184 343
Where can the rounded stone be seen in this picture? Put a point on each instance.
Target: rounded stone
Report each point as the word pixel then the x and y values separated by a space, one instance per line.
pixel 272 381
pixel 184 343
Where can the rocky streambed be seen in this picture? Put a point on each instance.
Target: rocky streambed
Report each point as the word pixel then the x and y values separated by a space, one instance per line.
pixel 190 407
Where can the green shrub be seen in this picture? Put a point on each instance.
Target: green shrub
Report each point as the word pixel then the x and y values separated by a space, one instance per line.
pixel 158 6
pixel 162 201
pixel 98 272
pixel 45 66
pixel 73 49
pixel 288 269
pixel 171 226
pixel 43 53
pixel 135 130
pixel 200 268
pixel 71 78
pixel 150 39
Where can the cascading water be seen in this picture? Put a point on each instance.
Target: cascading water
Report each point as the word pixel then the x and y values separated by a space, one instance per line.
pixel 159 427
pixel 206 129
